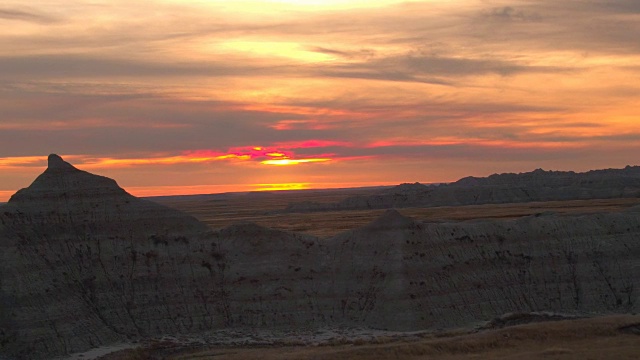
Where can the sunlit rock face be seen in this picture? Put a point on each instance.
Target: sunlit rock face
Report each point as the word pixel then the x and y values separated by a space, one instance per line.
pixel 84 264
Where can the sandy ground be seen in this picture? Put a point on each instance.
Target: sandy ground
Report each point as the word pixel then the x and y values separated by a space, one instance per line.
pixel 239 338
pixel 609 337
pixel 100 352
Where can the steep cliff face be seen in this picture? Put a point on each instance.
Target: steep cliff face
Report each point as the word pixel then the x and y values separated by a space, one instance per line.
pixel 274 278
pixel 411 275
pixel 369 283
pixel 537 185
pixel 83 264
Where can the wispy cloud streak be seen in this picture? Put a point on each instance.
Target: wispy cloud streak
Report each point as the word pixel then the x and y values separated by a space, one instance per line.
pixel 351 90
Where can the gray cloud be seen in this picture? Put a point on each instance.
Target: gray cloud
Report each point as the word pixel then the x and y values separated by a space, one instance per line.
pixel 598 26
pixel 130 123
pixel 434 65
pixel 433 69
pixel 147 122
pixel 508 13
pixel 354 72
pixel 85 66
pixel 350 54
pixel 26 15
pixel 615 6
pixel 519 26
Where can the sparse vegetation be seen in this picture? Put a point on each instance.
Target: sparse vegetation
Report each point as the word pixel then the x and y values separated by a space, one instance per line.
pixel 260 209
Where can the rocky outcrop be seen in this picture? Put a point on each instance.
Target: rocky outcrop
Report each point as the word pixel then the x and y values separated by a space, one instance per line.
pixel 538 185
pixel 83 264
pixel 412 275
pixel 274 278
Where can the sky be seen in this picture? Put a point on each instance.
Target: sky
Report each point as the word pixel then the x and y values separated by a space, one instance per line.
pixel 203 96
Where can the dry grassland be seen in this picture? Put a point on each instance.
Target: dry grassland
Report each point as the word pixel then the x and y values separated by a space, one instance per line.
pixel 260 207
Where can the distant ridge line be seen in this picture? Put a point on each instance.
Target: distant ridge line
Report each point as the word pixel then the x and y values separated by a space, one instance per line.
pixel 536 185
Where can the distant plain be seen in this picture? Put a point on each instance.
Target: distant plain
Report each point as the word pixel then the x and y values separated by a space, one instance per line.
pixel 263 208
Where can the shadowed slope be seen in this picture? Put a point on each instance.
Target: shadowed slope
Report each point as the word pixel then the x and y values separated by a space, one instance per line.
pixel 84 263
pixel 64 181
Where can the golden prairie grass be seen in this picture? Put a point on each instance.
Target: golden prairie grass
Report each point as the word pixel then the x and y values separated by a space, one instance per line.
pixel 260 209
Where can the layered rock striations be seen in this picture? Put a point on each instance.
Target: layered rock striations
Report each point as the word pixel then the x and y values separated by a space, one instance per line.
pixel 274 278
pixel 85 264
pixel 538 185
pixel 414 275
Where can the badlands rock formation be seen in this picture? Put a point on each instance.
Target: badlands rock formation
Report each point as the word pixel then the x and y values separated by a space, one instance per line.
pixel 435 275
pixel 86 264
pixel 538 185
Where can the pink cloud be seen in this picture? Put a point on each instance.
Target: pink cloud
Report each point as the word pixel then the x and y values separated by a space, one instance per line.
pixel 316 143
pixel 272 155
pixel 501 143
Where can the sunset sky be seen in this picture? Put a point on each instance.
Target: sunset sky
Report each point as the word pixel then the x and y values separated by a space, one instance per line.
pixel 178 96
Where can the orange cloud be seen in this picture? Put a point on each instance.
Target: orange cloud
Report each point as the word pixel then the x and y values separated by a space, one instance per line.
pixel 258 154
pixel 305 144
pixel 90 123
pixel 302 124
pixel 443 141
pixel 21 161
pixel 292 109
pixel 276 154
pixel 284 162
pixel 170 160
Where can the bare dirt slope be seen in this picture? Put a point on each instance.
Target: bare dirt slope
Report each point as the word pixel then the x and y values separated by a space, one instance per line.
pixel 612 337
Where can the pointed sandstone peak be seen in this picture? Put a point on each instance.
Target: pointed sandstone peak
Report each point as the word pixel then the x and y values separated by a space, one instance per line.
pixel 55 162
pixel 62 180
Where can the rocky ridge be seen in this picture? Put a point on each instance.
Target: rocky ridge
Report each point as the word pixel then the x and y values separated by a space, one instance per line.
pixel 85 264
pixel 538 185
